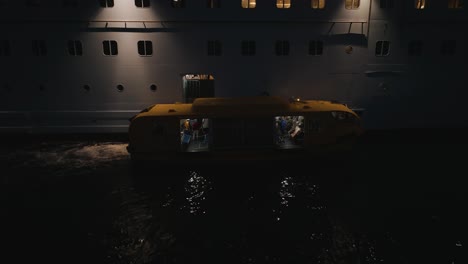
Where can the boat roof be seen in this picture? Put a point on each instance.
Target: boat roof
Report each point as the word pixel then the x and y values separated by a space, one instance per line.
pixel 240 105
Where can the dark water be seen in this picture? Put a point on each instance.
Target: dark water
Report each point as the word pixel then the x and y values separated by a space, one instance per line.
pixel 397 198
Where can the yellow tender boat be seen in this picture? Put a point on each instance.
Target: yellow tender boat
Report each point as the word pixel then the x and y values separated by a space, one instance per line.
pixel 241 127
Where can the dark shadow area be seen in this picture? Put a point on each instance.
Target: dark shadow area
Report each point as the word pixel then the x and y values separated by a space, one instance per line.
pixel 397 197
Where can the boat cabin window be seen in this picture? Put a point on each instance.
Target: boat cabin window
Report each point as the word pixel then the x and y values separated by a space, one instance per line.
pixel 455 4
pixel 109 47
pixel 382 48
pixel 282 48
pixel 419 4
pixel 75 48
pixel 315 47
pixel 248 3
pixel 248 48
pixel 289 131
pixel 213 4
pixel 214 48
pixel 318 4
pixel 352 4
pixel 283 3
pixel 145 48
pixel 106 3
pixel 194 134
pixel 142 3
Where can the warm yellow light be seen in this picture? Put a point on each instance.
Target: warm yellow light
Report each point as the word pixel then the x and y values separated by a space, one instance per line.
pixel 248 3
pixel 283 3
pixel 318 4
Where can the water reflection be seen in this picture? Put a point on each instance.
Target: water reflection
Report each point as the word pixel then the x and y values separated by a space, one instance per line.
pixel 196 190
pixel 245 214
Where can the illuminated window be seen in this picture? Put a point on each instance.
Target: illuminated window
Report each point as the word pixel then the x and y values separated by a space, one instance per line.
pixel 248 48
pixel 214 48
pixel 455 4
pixel 352 4
pixel 145 48
pixel 315 47
pixel 106 3
pixel 39 47
pixel 318 4
pixel 420 4
pixel 5 48
pixel 109 47
pixel 75 48
pixel 448 47
pixel 142 3
pixel 282 48
pixel 178 3
pixel 415 48
pixel 213 3
pixel 248 3
pixel 382 48
pixel 386 3
pixel 283 3
pixel 70 3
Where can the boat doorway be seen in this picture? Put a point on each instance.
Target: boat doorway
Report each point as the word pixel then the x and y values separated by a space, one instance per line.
pixel 197 85
pixel 194 135
pixel 289 132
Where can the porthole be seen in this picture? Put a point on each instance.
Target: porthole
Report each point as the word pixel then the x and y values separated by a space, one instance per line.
pixel 348 49
pixel 153 87
pixel 42 87
pixel 120 88
pixel 86 87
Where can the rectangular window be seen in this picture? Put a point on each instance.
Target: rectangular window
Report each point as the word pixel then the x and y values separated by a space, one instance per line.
pixel 448 47
pixel 283 3
pixel 419 4
pixel 282 48
pixel 386 3
pixel 39 47
pixel 318 4
pixel 248 3
pixel 178 3
pixel 213 3
pixel 5 48
pixel 382 48
pixel 214 48
pixel 106 3
pixel 455 4
pixel 248 48
pixel 145 48
pixel 352 4
pixel 415 48
pixel 75 48
pixel 315 47
pixel 109 47
pixel 142 3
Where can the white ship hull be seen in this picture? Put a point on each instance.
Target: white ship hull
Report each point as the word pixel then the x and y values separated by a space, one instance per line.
pixel 93 92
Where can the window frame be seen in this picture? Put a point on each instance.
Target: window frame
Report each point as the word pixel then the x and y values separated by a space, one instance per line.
pixel 248 4
pixel 352 4
pixel 379 52
pixel 317 5
pixel 110 47
pixel 75 48
pixel 315 47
